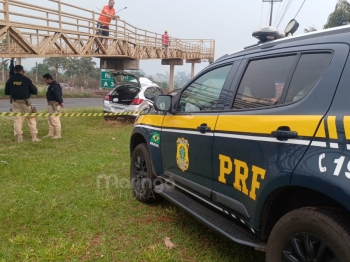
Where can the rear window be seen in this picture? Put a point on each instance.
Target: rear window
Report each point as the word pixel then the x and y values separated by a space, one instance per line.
pixel 309 70
pixel 265 80
pixel 125 78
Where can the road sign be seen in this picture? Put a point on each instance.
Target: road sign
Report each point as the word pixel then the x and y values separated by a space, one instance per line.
pixel 107 80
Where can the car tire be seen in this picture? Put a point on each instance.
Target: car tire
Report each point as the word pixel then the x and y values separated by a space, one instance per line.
pixel 142 179
pixel 310 234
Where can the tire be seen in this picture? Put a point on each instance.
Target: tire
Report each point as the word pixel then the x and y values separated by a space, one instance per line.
pixel 142 179
pixel 300 234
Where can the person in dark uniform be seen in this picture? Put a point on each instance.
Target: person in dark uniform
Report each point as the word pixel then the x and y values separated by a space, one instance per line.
pixel 20 88
pixel 55 103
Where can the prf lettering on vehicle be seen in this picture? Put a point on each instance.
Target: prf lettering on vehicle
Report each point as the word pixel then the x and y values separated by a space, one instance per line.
pixel 241 174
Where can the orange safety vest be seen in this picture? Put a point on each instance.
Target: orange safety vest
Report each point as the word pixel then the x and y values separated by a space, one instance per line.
pixel 165 39
pixel 104 20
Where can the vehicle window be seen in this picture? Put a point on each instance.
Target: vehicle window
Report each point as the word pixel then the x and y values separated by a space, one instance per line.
pixel 157 92
pixel 263 82
pixel 204 92
pixel 125 78
pixel 151 93
pixel 309 70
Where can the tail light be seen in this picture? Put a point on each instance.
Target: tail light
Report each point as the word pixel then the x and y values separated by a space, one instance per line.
pixel 107 97
pixel 136 101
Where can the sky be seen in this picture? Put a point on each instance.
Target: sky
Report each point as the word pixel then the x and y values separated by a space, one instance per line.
pixel 229 22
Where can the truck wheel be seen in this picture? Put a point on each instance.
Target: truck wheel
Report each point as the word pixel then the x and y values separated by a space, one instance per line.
pixel 142 179
pixel 317 234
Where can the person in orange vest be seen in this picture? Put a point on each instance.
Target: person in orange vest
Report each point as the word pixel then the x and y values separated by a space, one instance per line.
pixel 107 14
pixel 165 39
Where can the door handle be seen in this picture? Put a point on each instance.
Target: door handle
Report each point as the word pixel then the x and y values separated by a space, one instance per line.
pixel 203 128
pixel 283 133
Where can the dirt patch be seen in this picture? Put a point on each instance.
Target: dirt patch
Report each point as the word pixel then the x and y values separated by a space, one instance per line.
pixel 165 219
pixel 96 240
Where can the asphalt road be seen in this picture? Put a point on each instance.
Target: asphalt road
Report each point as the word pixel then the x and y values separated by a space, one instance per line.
pixel 41 104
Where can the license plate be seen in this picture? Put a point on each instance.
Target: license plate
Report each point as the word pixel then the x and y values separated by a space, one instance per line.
pixel 117 108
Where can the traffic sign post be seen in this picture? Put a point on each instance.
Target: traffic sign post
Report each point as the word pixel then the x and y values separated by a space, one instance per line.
pixel 107 80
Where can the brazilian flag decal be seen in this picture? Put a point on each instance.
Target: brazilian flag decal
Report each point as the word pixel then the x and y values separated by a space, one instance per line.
pixel 155 140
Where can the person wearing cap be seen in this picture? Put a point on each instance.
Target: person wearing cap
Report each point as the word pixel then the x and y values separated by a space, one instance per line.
pixel 55 103
pixel 165 39
pixel 20 88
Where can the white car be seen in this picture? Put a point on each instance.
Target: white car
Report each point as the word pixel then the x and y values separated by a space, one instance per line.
pixel 131 94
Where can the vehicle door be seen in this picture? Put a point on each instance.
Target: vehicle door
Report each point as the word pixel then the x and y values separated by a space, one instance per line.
pixel 187 134
pixel 280 100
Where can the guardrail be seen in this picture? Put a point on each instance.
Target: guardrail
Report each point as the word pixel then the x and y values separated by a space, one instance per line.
pixel 28 30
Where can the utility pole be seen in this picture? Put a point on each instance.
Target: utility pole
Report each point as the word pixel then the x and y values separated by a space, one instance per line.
pixel 36 72
pixel 271 2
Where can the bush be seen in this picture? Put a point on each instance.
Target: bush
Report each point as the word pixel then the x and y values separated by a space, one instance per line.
pixel 2 92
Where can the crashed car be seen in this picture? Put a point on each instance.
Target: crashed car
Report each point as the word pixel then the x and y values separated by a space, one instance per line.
pixel 131 94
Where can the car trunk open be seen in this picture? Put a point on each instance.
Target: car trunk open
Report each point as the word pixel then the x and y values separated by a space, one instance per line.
pixel 127 88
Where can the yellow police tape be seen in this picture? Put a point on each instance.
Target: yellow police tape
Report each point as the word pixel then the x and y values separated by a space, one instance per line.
pixel 73 114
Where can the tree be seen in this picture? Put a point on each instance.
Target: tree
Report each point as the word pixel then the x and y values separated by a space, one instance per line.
pixel 181 78
pixel 4 68
pixel 85 69
pixel 137 73
pixel 340 16
pixel 42 70
pixel 310 29
pixel 55 63
pixel 70 66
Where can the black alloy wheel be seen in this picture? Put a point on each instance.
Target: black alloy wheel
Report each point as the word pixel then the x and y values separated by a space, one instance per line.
pixel 142 179
pixel 310 234
pixel 308 247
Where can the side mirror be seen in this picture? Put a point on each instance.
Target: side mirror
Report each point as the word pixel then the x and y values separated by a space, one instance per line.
pixel 163 103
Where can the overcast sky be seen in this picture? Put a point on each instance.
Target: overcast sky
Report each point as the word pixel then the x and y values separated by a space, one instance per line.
pixel 229 22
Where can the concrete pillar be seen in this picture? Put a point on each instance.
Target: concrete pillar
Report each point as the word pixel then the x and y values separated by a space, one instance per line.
pixel 193 61
pixel 120 63
pixel 192 70
pixel 171 77
pixel 172 63
pixel 18 61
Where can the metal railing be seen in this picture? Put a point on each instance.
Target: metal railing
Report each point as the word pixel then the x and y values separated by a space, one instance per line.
pixel 28 30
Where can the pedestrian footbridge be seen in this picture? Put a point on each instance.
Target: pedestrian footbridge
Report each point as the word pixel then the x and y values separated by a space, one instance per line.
pixel 33 31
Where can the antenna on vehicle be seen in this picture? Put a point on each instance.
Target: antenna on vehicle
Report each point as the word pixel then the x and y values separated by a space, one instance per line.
pixel 269 33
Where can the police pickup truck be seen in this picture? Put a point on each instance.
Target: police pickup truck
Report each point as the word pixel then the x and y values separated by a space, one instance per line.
pixel 257 147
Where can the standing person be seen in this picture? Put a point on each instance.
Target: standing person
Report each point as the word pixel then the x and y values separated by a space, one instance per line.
pixel 55 103
pixel 107 14
pixel 165 39
pixel 20 88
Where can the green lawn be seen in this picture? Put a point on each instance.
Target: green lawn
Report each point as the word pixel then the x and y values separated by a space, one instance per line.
pixel 53 210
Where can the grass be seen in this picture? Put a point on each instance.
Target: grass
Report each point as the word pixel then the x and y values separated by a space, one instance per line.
pixel 53 210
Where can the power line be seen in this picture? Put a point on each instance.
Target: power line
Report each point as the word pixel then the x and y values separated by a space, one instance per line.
pixel 279 7
pixel 281 12
pixel 271 2
pixel 285 11
pixel 299 9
